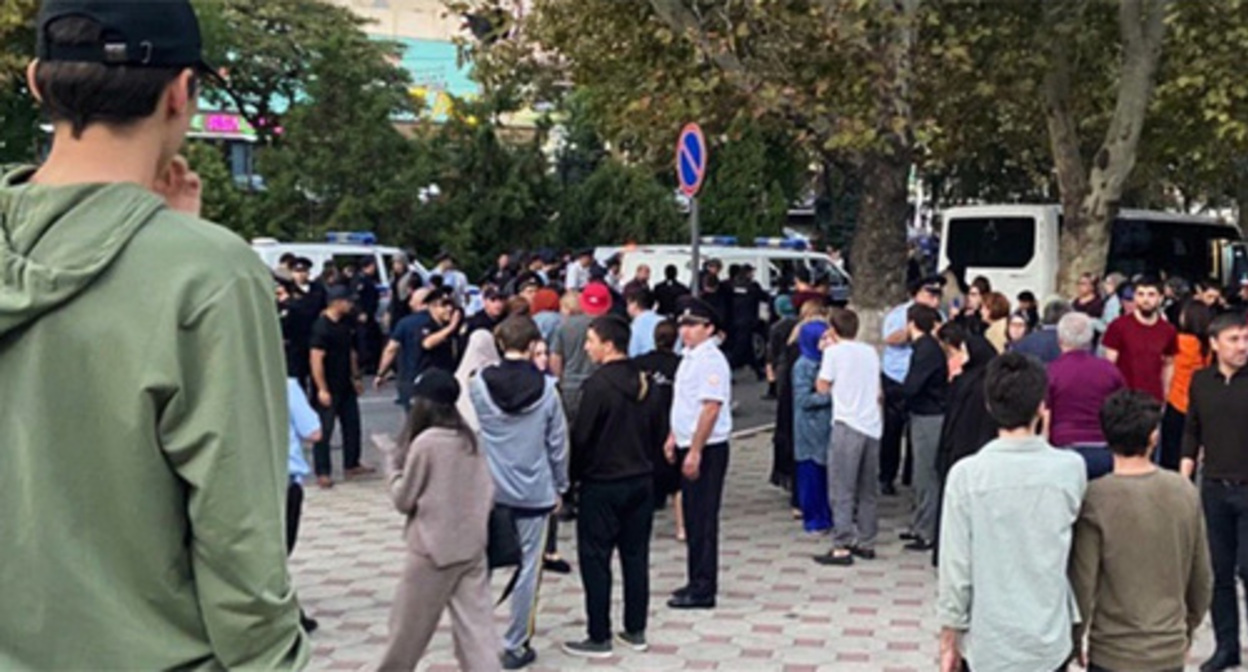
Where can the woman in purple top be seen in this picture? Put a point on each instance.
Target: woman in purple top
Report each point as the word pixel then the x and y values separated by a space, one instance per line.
pixel 1079 383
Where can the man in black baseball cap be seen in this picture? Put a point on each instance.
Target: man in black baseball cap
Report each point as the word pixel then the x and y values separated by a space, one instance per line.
pixel 163 545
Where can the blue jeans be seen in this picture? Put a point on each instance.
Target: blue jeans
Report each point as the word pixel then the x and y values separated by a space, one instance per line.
pixel 1098 458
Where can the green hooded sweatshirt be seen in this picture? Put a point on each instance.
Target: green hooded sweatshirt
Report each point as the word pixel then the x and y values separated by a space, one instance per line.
pixel 144 439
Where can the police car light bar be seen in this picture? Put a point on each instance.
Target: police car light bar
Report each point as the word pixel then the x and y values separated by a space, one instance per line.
pixel 719 240
pixel 351 237
pixel 781 243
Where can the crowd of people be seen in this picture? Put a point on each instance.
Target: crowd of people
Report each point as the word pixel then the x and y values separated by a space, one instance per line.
pixel 571 392
pixel 1051 453
pixel 1051 449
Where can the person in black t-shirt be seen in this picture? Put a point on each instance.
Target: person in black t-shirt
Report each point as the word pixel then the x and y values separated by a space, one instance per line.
pixel 368 303
pixel 660 366
pixel 335 372
pixel 667 292
pixel 493 312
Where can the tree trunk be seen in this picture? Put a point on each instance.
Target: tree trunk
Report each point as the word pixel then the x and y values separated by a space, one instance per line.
pixel 879 250
pixel 1090 203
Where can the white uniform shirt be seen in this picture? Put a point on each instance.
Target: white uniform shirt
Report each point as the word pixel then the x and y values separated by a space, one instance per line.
pixel 703 376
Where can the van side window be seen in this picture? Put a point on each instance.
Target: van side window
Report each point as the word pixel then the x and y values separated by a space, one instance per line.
pixel 991 242
pixel 1175 248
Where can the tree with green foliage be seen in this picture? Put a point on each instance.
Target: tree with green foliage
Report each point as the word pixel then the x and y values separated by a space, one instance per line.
pixel 19 115
pixel 835 76
pixel 753 177
pixel 322 96
pixel 271 50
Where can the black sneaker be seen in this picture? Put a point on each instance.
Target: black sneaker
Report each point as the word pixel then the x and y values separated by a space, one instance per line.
pixel 831 558
pixel 633 640
pixel 309 624
pixel 588 649
pixel 556 566
pixel 520 658
pixel 920 544
pixel 864 553
pixel 909 536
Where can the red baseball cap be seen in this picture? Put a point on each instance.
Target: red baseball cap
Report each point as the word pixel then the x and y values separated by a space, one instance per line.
pixel 595 299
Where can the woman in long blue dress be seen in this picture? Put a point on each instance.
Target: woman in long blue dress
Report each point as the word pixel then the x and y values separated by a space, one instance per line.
pixel 812 429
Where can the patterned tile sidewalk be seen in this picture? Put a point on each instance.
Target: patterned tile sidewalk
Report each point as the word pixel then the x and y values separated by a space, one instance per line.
pixel 778 610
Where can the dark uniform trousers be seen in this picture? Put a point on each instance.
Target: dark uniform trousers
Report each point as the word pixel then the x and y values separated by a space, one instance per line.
pixel 701 500
pixel 894 429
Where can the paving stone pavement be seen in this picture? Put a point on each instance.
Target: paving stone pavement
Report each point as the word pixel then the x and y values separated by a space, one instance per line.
pixel 778 610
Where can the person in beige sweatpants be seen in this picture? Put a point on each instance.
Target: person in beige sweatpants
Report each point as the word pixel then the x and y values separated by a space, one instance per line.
pixel 441 481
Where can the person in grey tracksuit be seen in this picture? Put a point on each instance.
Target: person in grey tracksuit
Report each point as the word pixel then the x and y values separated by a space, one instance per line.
pixel 524 434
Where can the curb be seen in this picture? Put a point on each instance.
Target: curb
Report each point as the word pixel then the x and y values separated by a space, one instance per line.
pixel 753 431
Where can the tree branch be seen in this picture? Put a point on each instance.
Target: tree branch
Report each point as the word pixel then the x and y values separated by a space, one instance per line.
pixel 682 20
pixel 1063 130
pixel 1142 23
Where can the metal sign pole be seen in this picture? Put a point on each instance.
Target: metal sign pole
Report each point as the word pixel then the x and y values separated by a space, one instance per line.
pixel 697 262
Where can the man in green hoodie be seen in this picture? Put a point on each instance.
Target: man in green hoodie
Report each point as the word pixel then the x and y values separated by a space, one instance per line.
pixel 143 467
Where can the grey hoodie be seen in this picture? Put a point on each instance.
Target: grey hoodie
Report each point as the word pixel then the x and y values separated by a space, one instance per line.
pixel 524 433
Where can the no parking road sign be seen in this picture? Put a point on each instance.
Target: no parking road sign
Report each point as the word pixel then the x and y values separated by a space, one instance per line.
pixel 691 159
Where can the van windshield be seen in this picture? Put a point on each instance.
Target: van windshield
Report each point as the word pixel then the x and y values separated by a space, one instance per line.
pixel 990 242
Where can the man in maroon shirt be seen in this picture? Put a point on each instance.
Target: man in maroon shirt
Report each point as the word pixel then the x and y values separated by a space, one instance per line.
pixel 1142 344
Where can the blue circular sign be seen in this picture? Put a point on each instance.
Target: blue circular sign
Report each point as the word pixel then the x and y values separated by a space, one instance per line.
pixel 691 159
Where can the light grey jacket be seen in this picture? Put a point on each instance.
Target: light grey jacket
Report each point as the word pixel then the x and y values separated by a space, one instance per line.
pixel 527 451
pixel 443 485
pixel 1005 538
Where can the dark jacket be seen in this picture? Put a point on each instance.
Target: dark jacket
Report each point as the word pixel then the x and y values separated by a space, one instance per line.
pixel 747 298
pixel 1041 344
pixel 665 295
pixel 660 368
pixel 926 387
pixel 614 433
pixel 367 298
pixel 968 426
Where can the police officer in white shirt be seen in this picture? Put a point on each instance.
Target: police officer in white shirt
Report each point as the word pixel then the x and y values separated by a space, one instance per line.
pixel 701 425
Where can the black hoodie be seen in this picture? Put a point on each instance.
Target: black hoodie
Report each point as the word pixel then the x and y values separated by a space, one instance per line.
pixel 514 385
pixel 614 432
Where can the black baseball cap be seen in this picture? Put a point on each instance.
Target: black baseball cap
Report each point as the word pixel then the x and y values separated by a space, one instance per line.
pixel 135 33
pixel 339 293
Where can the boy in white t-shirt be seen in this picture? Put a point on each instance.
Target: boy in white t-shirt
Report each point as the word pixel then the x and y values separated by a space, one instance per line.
pixel 851 371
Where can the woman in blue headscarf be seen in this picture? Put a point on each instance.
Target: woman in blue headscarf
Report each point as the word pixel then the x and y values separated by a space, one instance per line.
pixel 812 429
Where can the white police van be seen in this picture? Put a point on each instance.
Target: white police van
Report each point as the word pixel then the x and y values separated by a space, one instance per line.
pixel 341 248
pixel 773 259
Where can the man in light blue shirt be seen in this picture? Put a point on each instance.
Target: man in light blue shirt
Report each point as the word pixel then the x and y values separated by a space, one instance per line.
pixel 641 311
pixel 305 428
pixel 895 365
pixel 1005 603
